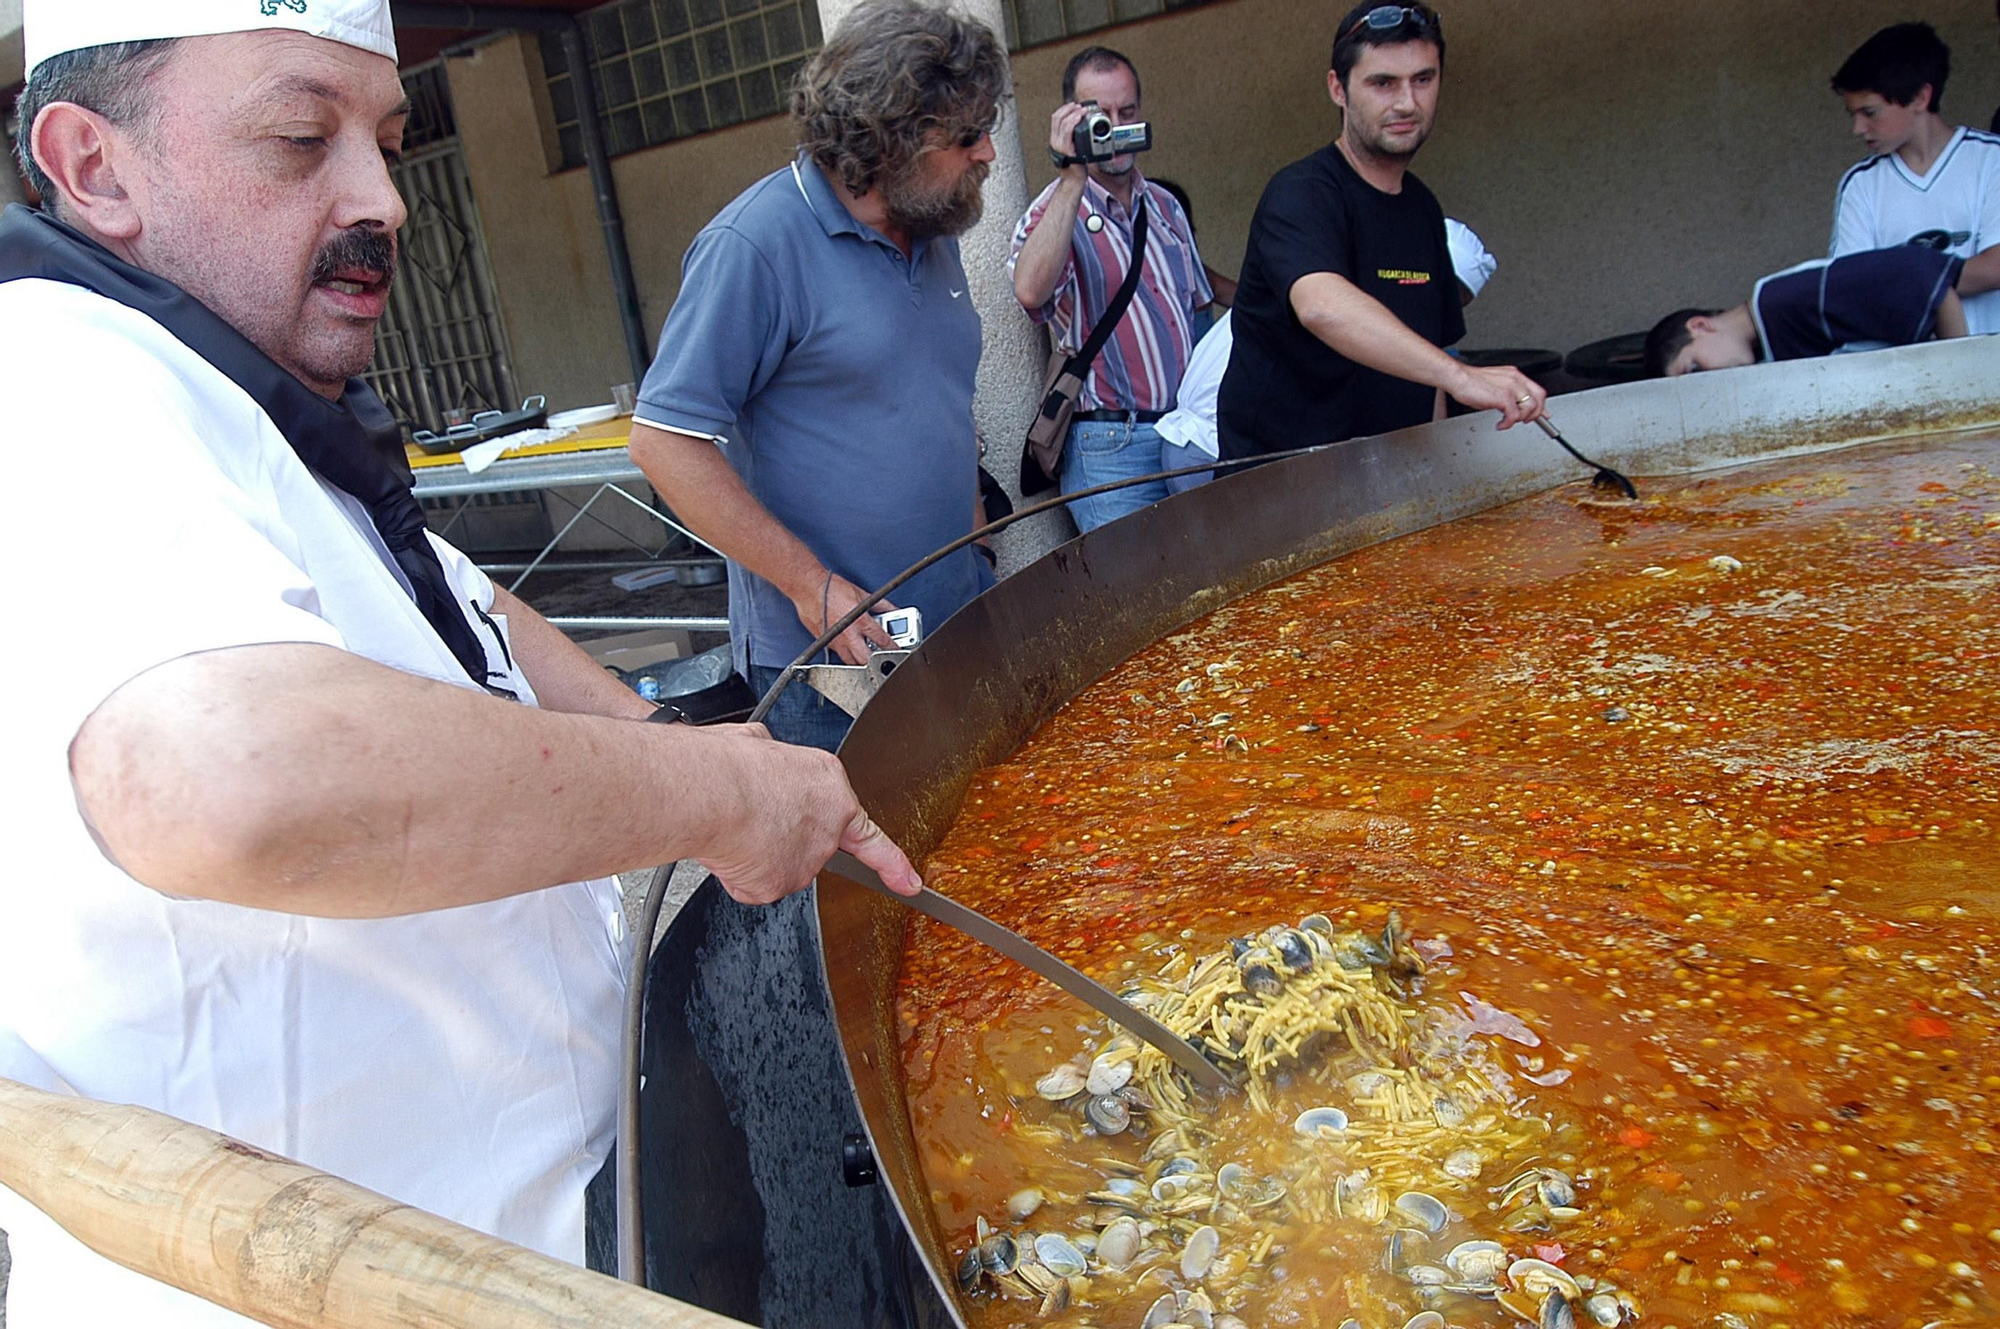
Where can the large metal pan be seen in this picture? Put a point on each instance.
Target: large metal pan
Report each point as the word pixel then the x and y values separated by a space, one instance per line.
pixel 989 677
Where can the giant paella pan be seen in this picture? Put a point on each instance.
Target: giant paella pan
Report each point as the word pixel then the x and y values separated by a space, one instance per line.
pixel 1593 904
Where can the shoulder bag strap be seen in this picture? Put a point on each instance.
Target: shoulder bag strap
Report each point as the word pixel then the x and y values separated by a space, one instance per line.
pixel 1080 363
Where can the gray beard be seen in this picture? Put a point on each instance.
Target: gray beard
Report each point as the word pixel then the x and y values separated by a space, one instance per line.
pixel 924 214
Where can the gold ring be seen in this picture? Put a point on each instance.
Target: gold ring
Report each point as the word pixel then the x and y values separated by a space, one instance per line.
pixel 1523 399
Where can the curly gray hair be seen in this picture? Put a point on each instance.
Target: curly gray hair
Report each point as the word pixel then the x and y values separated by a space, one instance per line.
pixel 891 72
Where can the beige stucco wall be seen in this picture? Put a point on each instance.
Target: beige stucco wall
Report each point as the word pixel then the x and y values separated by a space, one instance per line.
pixel 1619 159
pixel 542 229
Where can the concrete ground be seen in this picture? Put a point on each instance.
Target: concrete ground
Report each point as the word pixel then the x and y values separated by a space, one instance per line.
pixel 573 593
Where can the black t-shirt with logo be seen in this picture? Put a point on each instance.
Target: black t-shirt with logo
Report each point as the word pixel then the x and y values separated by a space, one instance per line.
pixel 1285 388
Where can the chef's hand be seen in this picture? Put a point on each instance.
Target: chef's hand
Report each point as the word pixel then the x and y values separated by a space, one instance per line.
pixel 785 811
pixel 826 603
pixel 1503 388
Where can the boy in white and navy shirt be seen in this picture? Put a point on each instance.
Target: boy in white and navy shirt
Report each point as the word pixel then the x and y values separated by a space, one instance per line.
pixel 1884 297
pixel 1929 182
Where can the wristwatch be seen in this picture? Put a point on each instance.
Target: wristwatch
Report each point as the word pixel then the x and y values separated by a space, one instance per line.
pixel 667 714
pixel 1064 162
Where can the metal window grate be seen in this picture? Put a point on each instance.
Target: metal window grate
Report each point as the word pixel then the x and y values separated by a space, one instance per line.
pixel 431 121
pixel 667 69
pixel 440 350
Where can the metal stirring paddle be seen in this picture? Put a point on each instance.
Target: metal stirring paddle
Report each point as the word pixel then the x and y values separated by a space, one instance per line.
pixel 1606 478
pixel 1019 949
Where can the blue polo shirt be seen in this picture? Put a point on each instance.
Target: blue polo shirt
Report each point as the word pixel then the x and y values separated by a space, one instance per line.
pixel 837 376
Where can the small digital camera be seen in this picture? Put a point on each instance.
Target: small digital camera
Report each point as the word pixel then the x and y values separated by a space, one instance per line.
pixel 1096 139
pixel 904 626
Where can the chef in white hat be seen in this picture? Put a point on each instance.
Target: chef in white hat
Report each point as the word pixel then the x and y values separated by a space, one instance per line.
pixel 298 789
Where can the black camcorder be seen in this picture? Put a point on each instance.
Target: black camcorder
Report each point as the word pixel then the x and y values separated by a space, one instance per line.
pixel 1096 139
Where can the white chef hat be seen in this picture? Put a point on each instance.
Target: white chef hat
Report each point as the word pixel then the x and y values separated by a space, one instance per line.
pixel 1469 258
pixel 54 27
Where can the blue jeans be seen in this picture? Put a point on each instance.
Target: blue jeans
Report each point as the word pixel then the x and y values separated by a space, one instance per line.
pixel 1100 451
pixel 801 715
pixel 1173 456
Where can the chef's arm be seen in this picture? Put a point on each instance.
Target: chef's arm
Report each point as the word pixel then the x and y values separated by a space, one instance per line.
pixel 710 499
pixel 564 676
pixel 307 779
pixel 1981 273
pixel 1361 328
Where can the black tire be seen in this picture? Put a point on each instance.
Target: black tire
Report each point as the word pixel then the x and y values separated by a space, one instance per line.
pixel 1619 359
pixel 1536 363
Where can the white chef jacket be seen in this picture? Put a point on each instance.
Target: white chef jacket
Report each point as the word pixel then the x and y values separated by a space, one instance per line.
pixel 463 1061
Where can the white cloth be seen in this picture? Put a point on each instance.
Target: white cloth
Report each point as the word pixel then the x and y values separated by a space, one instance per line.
pixel 464 1061
pixel 1883 203
pixel 1470 260
pixel 1191 423
pixel 51 27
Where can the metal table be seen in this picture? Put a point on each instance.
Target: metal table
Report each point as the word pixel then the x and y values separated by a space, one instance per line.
pixel 604 471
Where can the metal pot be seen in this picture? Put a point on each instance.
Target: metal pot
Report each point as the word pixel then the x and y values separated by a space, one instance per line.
pixel 982 684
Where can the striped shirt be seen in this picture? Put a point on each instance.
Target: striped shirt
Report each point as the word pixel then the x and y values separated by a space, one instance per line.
pixel 1140 368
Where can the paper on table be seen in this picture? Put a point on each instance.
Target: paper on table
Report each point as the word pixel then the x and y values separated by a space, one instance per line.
pixel 481 455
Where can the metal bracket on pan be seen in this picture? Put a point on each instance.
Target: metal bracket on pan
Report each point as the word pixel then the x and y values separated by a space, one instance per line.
pixel 851 687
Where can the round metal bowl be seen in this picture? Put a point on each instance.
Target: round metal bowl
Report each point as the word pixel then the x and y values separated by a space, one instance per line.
pixel 982 683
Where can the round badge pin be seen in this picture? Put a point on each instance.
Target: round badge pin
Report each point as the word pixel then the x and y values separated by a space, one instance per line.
pixel 1093 223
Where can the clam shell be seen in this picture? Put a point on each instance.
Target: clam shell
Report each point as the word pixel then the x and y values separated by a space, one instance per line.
pixel 1424 1212
pixel 1538 1278
pixel 1108 1075
pixel 1059 1255
pixel 1108 1114
pixel 1200 1252
pixel 1023 1203
pixel 1065 1081
pixel 1320 1123
pixel 1477 1263
pixel 1118 1244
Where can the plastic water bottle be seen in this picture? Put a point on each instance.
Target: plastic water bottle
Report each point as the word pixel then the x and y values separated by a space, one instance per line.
pixel 649 687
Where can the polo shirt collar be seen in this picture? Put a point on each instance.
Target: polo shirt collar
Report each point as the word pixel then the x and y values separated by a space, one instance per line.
pixel 832 214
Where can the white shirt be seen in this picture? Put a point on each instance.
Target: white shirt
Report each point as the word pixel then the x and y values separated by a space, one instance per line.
pixel 1883 203
pixel 463 1061
pixel 1192 421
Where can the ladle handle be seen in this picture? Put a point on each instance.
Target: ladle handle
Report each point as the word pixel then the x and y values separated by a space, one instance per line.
pixel 1067 977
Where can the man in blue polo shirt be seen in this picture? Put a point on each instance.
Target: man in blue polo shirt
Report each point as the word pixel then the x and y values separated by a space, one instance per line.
pixel 824 338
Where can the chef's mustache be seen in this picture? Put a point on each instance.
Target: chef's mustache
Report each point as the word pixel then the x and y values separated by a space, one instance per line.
pixel 360 247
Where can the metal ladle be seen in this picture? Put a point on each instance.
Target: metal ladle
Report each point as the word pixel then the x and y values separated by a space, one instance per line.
pixel 1019 949
pixel 1606 478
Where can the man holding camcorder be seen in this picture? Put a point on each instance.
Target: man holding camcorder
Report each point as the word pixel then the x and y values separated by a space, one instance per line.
pixel 1068 272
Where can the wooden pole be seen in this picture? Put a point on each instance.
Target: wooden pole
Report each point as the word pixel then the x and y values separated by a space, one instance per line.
pixel 282 1243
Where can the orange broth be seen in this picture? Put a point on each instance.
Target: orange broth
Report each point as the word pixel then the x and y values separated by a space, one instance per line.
pixel 1724 837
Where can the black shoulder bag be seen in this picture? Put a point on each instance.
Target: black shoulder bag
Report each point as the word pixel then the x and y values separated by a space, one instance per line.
pixel 1041 459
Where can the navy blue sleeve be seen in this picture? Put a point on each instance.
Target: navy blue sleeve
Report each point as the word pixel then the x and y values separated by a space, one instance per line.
pixel 1879 295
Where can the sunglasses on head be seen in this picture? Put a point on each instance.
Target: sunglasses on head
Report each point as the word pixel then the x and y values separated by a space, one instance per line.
pixel 1387 18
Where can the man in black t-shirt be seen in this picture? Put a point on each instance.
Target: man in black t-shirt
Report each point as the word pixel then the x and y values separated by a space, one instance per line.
pixel 1347 294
